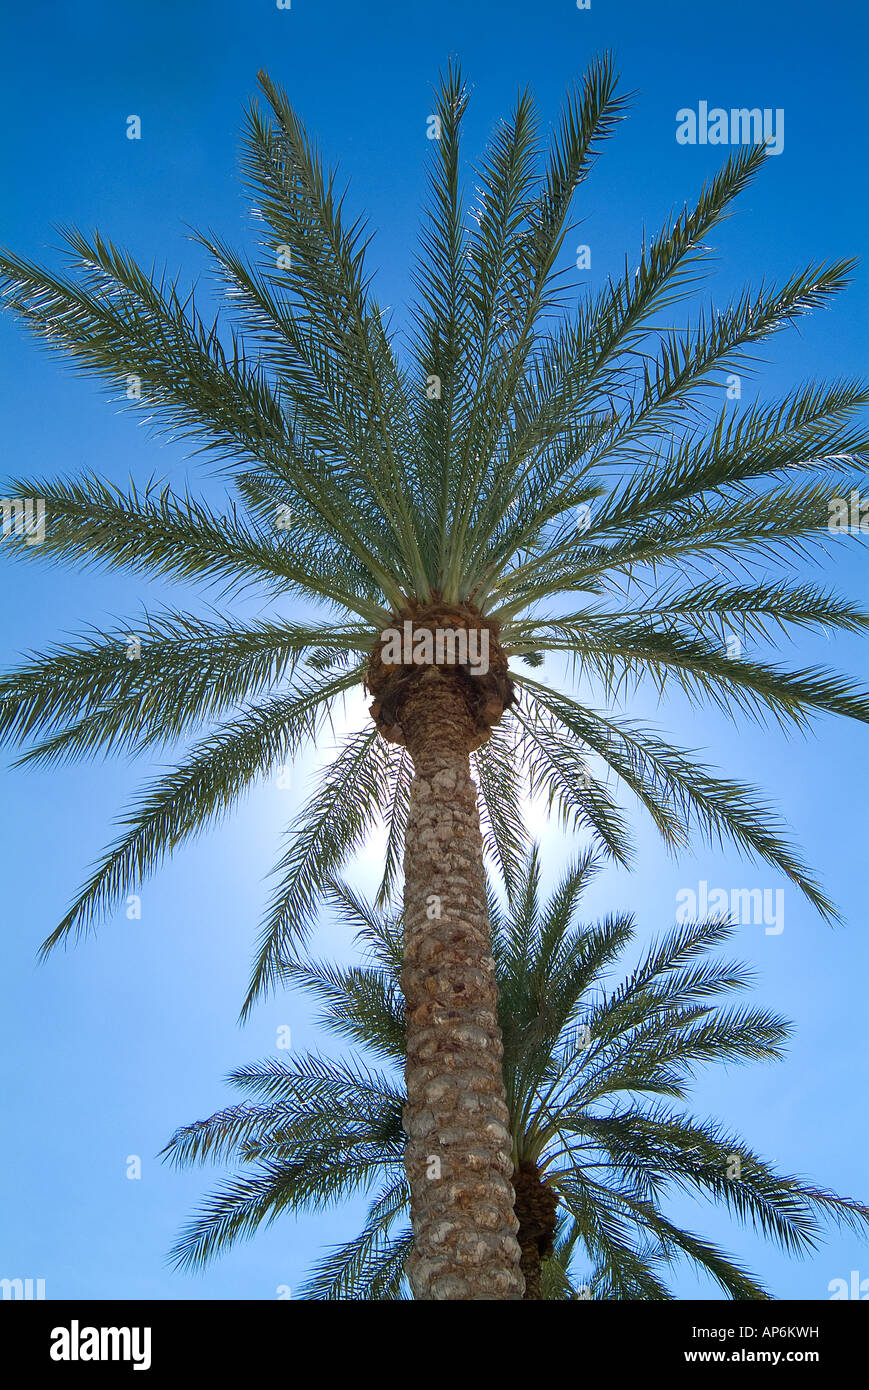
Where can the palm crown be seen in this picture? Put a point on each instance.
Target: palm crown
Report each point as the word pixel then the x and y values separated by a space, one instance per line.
pixel 598 1073
pixel 387 495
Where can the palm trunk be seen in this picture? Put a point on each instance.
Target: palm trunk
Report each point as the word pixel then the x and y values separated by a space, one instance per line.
pixel 458 1156
pixel 530 1266
pixel 537 1210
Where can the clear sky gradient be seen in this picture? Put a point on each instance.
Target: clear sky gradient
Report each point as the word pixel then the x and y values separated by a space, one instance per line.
pixel 115 1042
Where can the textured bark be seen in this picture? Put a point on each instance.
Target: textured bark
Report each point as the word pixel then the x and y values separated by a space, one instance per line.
pixel 486 695
pixel 536 1208
pixel 458 1157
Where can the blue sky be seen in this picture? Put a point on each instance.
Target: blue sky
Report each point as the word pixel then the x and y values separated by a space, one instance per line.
pixel 112 1044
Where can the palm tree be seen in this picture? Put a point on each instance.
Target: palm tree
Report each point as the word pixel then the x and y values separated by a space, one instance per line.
pixel 598 1075
pixel 521 477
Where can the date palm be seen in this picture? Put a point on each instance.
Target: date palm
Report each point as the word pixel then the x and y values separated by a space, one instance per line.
pixel 543 476
pixel 598 1067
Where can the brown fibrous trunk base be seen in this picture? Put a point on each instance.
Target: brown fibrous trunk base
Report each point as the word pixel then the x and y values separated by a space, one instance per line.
pixel 486 695
pixel 536 1208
